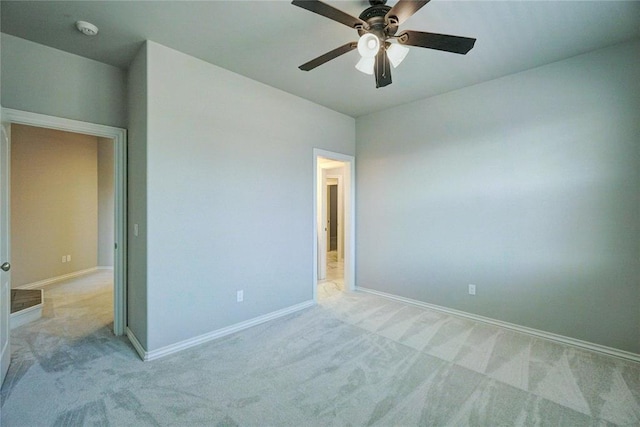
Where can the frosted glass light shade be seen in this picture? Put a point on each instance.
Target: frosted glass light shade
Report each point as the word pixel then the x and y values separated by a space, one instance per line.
pixel 368 45
pixel 396 54
pixel 366 65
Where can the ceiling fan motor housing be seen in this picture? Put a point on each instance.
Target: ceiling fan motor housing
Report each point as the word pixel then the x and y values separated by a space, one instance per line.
pixel 374 16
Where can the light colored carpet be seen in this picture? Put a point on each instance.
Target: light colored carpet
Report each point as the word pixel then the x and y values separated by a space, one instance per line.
pixel 355 359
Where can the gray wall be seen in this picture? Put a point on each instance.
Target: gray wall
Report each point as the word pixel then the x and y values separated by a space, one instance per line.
pixel 106 200
pixel 54 203
pixel 527 186
pixel 137 198
pixel 229 195
pixel 44 80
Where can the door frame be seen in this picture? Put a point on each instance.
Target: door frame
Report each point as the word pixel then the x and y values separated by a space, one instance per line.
pixel 119 137
pixel 322 219
pixel 349 206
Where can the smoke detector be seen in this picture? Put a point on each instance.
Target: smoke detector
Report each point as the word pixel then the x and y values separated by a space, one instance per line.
pixel 87 28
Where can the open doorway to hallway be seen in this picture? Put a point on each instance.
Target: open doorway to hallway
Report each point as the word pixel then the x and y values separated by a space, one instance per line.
pixel 62 210
pixel 11 117
pixel 334 228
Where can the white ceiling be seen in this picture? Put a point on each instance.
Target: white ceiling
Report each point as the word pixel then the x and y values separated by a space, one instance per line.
pixel 268 40
pixel 329 164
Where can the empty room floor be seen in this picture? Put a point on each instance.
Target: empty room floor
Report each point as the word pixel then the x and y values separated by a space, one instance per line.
pixel 354 359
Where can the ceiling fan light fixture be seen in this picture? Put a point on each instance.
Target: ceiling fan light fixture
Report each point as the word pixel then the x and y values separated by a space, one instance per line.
pixel 366 65
pixel 396 54
pixel 368 45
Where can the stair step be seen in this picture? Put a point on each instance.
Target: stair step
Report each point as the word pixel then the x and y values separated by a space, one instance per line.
pixel 26 306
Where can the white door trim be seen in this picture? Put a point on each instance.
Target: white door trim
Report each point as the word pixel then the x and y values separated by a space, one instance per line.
pixel 322 226
pixel 119 137
pixel 349 188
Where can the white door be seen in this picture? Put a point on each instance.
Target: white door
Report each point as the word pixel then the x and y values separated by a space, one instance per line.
pixel 5 274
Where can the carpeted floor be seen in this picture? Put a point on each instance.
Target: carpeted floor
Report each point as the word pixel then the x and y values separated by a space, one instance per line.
pixel 355 359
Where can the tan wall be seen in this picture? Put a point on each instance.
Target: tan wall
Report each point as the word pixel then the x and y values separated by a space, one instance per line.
pixel 54 203
pixel 105 202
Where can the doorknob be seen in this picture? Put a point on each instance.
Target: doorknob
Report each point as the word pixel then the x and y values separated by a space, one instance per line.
pixel 6 266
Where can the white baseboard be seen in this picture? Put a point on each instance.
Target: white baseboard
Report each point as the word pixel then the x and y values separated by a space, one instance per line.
pixel 512 326
pixel 201 339
pixel 104 267
pixel 136 344
pixel 45 282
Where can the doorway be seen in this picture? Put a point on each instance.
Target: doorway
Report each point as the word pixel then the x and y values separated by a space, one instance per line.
pixel 118 136
pixel 334 190
pixel 62 227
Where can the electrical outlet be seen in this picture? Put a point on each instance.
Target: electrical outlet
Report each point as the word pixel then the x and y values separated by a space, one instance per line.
pixel 240 296
pixel 64 258
pixel 68 258
pixel 472 289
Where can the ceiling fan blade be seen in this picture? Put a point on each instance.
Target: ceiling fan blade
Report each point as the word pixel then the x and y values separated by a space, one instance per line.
pixel 330 12
pixel 382 69
pixel 328 56
pixel 447 43
pixel 402 10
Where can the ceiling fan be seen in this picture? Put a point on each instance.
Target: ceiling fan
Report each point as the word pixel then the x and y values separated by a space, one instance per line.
pixel 378 45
